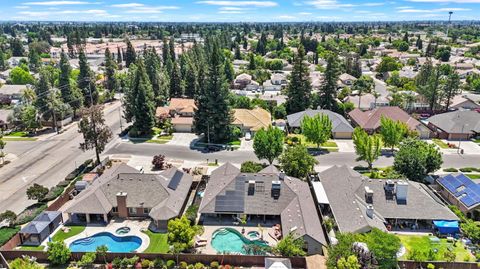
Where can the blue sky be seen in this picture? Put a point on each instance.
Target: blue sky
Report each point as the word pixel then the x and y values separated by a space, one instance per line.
pixel 238 10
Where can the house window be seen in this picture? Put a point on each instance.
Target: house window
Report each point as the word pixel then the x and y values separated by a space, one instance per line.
pixel 146 210
pixel 115 209
pixel 131 210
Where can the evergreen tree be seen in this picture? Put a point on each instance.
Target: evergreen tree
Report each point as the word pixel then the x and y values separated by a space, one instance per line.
pixel 111 80
pixel 86 81
pixel 131 55
pixel 238 54
pixel 419 43
pixel 156 76
pixel 299 88
pixel 262 45
pixel 165 52
pixel 42 90
pixel 251 62
pixel 3 62
pixel 68 93
pixel 16 47
pixel 213 116
pixel 191 80
pixel 96 133
pixel 34 60
pixel 140 106
pixel 119 57
pixel 171 47
pixel 175 82
pixel 328 91
pixel 229 71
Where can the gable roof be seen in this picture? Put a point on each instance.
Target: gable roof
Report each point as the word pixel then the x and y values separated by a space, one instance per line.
pixel 455 121
pixel 345 189
pixel 295 204
pixel 182 105
pixel 371 119
pixel 143 190
pixel 254 119
pixel 339 123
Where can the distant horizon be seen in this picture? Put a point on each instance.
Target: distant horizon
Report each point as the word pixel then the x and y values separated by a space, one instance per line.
pixel 237 22
pixel 239 10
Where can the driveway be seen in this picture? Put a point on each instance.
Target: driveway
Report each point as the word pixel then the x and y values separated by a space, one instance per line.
pixel 246 145
pixel 183 139
pixel 469 147
pixel 345 145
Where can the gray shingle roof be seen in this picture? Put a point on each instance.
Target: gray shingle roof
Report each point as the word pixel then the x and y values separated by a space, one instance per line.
pixel 143 190
pixel 345 189
pixel 339 123
pixel 41 222
pixel 453 122
pixel 295 205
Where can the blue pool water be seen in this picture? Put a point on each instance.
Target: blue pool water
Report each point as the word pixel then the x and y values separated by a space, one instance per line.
pixel 114 243
pixel 227 240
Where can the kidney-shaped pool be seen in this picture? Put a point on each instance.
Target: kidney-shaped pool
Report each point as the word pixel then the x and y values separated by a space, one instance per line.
pixel 114 243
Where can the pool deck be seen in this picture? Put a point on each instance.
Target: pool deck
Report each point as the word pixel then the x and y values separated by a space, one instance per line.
pixel 210 230
pixel 136 228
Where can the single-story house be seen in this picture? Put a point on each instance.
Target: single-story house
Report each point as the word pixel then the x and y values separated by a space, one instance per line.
pixel 122 191
pixel 455 125
pixel 268 197
pixel 241 81
pixel 251 120
pixel 341 128
pixel 359 204
pixel 346 80
pixel 14 92
pixel 461 191
pixel 370 120
pixel 42 226
pixel 463 102
pixel 367 101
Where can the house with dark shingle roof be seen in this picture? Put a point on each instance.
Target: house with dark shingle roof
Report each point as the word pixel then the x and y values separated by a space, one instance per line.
pixel 341 128
pixel 461 191
pixel 264 197
pixel 36 231
pixel 359 204
pixel 124 192
pixel 370 120
pixel 455 125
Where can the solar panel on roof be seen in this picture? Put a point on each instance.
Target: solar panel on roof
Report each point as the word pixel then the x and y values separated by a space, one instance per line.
pixel 463 188
pixel 173 184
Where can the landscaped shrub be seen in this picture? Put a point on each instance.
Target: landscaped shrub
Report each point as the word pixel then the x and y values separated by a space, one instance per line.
pixel 251 167
pixel 117 262
pixel 58 253
pixel 87 259
pixel 468 169
pixel 183 265
pixel 360 168
pixel 191 213
pixel 199 265
pixel 146 263
pixel 450 170
pixel 30 213
pixel 158 263
pixel 170 264
pixel 53 193
pixel 63 183
pixel 214 265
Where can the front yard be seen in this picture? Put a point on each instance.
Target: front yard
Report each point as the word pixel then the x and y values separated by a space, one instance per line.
pixel 442 144
pixel 158 242
pixel 300 139
pixel 74 230
pixel 421 248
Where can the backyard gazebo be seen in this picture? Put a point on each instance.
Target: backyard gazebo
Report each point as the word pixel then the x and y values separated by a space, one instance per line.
pixel 40 228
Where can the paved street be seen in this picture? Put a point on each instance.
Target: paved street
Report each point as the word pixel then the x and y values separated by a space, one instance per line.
pixel 45 162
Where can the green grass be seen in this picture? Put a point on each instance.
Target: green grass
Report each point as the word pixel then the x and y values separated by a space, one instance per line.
pixel 6 233
pixel 235 143
pixel 473 176
pixel 440 143
pixel 18 134
pixel 158 242
pixel 328 144
pixel 156 141
pixel 423 244
pixel 153 140
pixel 19 138
pixel 37 248
pixel 476 140
pixel 74 230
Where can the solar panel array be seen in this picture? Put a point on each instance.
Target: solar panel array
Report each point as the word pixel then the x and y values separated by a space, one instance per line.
pixel 467 191
pixel 233 200
pixel 173 184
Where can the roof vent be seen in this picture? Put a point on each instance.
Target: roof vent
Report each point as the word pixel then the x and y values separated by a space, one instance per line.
pixel 370 211
pixel 368 195
pixel 281 175
pixel 276 188
pixel 251 187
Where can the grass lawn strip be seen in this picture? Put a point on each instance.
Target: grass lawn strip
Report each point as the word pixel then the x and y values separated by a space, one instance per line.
pixel 19 138
pixel 440 143
pixel 303 139
pixel 158 242
pixel 33 248
pixel 74 230
pixel 473 176
pixel 423 243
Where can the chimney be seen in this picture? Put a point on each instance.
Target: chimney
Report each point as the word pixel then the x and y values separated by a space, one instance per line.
pixel 370 211
pixel 122 205
pixel 281 175
pixel 251 187
pixel 402 191
pixel 368 195
pixel 276 187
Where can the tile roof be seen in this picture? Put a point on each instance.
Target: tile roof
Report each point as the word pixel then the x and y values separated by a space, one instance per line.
pixel 143 190
pixel 182 104
pixel 455 121
pixel 345 190
pixel 253 119
pixel 371 119
pixel 339 123
pixel 295 205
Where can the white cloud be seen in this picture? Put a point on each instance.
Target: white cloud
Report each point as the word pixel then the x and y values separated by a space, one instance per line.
pixel 240 3
pixel 305 13
pixel 128 5
pixel 22 7
pixel 437 10
pixel 286 17
pixel 448 1
pixel 230 12
pixel 233 9
pixel 328 4
pixel 58 3
pixel 373 4
pixel 404 7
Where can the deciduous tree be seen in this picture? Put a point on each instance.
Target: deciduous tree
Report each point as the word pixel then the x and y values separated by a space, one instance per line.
pixel 297 162
pixel 268 144
pixel 36 192
pixel 96 133
pixel 317 129
pixel 367 147
pixel 392 132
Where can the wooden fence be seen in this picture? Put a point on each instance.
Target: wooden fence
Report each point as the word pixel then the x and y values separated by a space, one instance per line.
pixel 234 260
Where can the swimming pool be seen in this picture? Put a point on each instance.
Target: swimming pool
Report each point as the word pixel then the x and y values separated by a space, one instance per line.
pixel 114 243
pixel 228 240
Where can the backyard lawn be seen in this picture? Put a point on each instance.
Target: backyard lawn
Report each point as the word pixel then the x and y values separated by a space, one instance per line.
pixel 423 245
pixel 37 248
pixel 158 242
pixel 74 230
